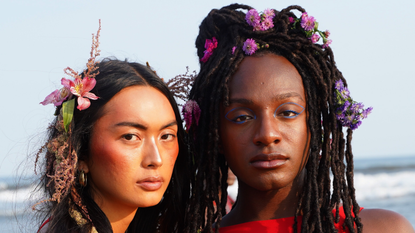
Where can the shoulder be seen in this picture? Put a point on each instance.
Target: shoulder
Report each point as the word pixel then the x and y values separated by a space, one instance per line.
pixel 379 220
pixel 44 227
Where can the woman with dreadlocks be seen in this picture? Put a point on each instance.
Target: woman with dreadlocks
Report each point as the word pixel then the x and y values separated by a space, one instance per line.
pixel 111 161
pixel 270 103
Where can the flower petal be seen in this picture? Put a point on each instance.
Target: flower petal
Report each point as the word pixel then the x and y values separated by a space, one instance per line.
pixel 88 84
pixel 90 95
pixel 51 98
pixel 83 103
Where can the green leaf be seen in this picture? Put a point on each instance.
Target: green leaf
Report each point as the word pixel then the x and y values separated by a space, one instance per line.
pixel 67 110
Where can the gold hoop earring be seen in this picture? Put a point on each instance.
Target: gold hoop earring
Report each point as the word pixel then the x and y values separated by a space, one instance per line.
pixel 83 178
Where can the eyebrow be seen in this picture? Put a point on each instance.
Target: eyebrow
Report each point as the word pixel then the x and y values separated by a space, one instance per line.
pixel 143 127
pixel 276 98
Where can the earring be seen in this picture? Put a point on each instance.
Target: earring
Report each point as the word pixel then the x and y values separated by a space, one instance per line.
pixel 83 179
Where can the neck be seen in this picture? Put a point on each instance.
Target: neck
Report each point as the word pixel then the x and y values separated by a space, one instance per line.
pixel 255 205
pixel 120 216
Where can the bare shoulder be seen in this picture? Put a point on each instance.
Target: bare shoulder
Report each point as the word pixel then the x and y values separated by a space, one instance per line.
pixel 380 220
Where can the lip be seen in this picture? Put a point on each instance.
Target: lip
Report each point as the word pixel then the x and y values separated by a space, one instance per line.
pixel 268 161
pixel 152 183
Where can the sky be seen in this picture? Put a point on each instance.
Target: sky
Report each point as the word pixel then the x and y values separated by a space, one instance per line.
pixel 373 46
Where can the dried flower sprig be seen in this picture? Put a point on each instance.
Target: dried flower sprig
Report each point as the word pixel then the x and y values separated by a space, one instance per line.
pixel 191 113
pixel 181 84
pixel 310 28
pixel 348 112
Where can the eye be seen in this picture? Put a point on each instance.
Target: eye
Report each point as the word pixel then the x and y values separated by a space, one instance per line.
pixel 240 115
pixel 288 110
pixel 168 137
pixel 130 137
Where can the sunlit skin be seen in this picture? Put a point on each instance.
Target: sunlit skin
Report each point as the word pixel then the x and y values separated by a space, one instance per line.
pixel 265 138
pixel 133 150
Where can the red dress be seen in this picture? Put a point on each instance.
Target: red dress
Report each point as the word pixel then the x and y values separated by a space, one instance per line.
pixel 278 225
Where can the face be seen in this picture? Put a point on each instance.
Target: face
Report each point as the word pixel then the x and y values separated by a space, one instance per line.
pixel 263 131
pixel 133 149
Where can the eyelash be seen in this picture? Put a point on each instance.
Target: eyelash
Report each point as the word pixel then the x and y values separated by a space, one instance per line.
pixel 170 135
pixel 296 114
pixel 129 135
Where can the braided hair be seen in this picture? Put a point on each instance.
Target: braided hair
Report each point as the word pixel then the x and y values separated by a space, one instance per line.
pixel 330 151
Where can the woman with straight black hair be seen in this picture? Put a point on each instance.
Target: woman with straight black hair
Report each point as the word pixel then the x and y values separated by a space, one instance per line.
pixel 111 162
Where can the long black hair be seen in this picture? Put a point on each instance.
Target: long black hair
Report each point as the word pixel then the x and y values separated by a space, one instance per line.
pixel 168 215
pixel 330 151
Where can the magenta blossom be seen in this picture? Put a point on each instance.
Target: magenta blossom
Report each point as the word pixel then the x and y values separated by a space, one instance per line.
pixel 249 46
pixel 233 49
pixel 210 45
pixel 307 22
pixel 326 44
pixel 327 33
pixel 81 88
pixel 58 96
pixel 267 23
pixel 191 110
pixel 291 19
pixel 252 17
pixel 314 38
pixel 269 13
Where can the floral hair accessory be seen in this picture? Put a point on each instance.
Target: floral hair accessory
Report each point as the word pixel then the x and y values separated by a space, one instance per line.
pixel 310 28
pixel 210 45
pixel 348 112
pixel 251 46
pixel 79 87
pixel 260 22
pixel 191 113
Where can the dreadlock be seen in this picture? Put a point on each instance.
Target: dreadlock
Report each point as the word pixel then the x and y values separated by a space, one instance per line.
pixel 329 150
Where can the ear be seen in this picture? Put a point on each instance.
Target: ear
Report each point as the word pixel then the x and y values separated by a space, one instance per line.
pixel 83 166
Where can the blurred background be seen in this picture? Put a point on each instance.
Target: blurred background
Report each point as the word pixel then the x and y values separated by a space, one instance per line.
pixel 373 45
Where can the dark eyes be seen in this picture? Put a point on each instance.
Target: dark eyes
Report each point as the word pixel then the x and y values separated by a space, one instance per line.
pixel 168 137
pixel 241 115
pixel 129 137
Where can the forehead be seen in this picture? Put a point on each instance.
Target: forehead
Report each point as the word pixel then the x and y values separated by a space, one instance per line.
pixel 265 76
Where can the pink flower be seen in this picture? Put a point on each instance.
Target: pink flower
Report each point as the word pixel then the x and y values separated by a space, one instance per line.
pixel 327 33
pixel 267 24
pixel 314 38
pixel 210 45
pixel 58 96
pixel 269 13
pixel 233 49
pixel 326 44
pixel 307 22
pixel 250 47
pixel 81 88
pixel 252 17
pixel 291 19
pixel 191 110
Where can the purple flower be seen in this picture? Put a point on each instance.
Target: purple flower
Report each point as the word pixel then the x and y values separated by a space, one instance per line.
pixel 249 46
pixel 356 107
pixel 210 45
pixel 366 112
pixel 191 110
pixel 252 17
pixel 269 13
pixel 345 93
pixel 355 125
pixel 267 23
pixel 339 85
pixel 307 22
pixel 233 49
pixel 314 38
pixel 291 19
pixel 58 96
pixel 326 44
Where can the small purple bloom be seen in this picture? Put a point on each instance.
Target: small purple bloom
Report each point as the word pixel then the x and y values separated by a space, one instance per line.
pixel 345 93
pixel 366 112
pixel 356 107
pixel 210 45
pixel 191 110
pixel 314 38
pixel 339 85
pixel 355 125
pixel 291 19
pixel 326 44
pixel 252 17
pixel 233 49
pixel 249 46
pixel 267 23
pixel 307 22
pixel 269 13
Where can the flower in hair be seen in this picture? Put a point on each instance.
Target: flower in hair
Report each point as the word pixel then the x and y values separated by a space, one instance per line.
pixel 310 27
pixel 81 88
pixel 260 22
pixel 348 112
pixel 191 110
pixel 250 46
pixel 210 45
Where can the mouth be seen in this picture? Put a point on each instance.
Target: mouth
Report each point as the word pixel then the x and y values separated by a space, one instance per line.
pixel 268 161
pixel 152 183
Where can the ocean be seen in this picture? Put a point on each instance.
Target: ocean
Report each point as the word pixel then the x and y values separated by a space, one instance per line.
pixel 386 183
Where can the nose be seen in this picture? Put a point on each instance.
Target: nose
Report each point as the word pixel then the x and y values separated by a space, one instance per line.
pixel 267 131
pixel 152 156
